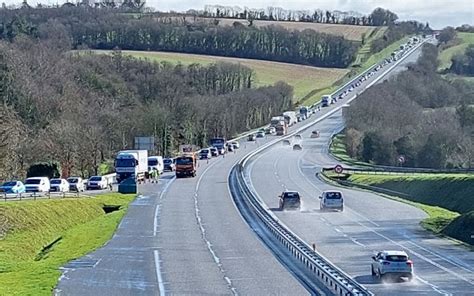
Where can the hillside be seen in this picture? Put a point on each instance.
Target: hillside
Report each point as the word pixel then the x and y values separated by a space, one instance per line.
pixel 464 39
pixel 304 79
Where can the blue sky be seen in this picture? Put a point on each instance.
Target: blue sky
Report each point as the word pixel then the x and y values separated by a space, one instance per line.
pixel 439 13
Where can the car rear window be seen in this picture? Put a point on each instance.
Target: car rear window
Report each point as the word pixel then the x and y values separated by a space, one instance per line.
pixel 96 179
pixel 396 258
pixel 333 195
pixel 9 184
pixel 292 195
pixel 32 181
pixel 72 180
pixel 55 181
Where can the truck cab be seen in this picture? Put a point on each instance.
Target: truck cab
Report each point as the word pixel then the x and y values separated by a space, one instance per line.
pixel 186 165
pixel 325 100
pixel 131 164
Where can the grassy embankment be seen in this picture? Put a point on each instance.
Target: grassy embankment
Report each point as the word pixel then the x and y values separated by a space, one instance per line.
pixel 445 56
pixel 448 199
pixel 304 79
pixel 38 237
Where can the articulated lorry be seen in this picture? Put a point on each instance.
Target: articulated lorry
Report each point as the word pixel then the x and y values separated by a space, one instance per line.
pixel 131 164
pixel 290 117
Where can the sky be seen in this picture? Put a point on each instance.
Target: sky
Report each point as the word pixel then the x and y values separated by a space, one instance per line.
pixel 439 13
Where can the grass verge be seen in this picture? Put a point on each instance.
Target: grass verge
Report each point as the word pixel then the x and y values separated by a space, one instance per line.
pixel 448 199
pixel 446 55
pixel 338 150
pixel 38 237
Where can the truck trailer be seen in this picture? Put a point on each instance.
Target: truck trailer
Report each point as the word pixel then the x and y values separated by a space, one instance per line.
pixel 131 164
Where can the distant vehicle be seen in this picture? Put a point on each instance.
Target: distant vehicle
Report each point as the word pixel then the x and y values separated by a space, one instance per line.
pixel 219 143
pixel 131 163
pixel 128 186
pixel 325 100
pixel 251 137
pixel 235 144
pixel 282 129
pixel 272 130
pixel 76 184
pixel 260 134
pixel 205 154
pixel 304 112
pixel 13 187
pixel 169 164
pixel 298 136
pixel 214 151
pixel 315 134
pixel 276 120
pixel 156 163
pixel 290 117
pixel 297 147
pixel 59 185
pixel 97 182
pixel 286 142
pixel 230 148
pixel 186 165
pixel 331 199
pixel 392 263
pixel 289 200
pixel 37 184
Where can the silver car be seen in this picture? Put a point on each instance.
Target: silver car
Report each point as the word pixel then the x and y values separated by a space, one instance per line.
pixel 392 263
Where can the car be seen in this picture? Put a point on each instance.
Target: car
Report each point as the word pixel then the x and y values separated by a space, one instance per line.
pixel 169 164
pixel 298 136
pixel 221 150
pixel 331 199
pixel 76 184
pixel 59 185
pixel 205 154
pixel 272 130
pixel 315 134
pixel 37 184
pixel 251 137
pixel 96 182
pixel 392 263
pixel 235 144
pixel 13 187
pixel 260 134
pixel 289 200
pixel 297 147
pixel 128 185
pixel 286 142
pixel 230 148
pixel 214 151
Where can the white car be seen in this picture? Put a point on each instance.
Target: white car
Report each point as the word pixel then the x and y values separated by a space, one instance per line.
pixel 331 199
pixel 96 182
pixel 235 144
pixel 76 184
pixel 392 263
pixel 59 185
pixel 37 184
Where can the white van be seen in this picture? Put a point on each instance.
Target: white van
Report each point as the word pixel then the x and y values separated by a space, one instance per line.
pixel 331 199
pixel 37 184
pixel 156 162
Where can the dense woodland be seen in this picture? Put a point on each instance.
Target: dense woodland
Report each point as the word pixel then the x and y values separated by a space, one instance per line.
pixel 107 29
pixel 80 109
pixel 417 114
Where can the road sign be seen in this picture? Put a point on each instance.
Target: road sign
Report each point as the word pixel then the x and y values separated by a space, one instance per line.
pixel 401 159
pixel 338 169
pixel 145 143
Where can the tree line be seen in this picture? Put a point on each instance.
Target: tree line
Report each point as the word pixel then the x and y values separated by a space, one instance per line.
pixel 378 17
pixel 107 29
pixel 418 114
pixel 79 109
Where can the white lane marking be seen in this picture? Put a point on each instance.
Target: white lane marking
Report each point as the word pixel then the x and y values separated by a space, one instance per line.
pixel 439 255
pixel 159 276
pixel 157 209
pixel 161 285
pixel 434 287
pixel 204 236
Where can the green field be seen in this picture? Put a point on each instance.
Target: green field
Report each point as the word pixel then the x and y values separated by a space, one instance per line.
pixel 447 198
pixel 446 55
pixel 304 79
pixel 38 237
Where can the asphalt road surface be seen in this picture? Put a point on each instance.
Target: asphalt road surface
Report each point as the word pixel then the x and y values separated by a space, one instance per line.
pixel 185 236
